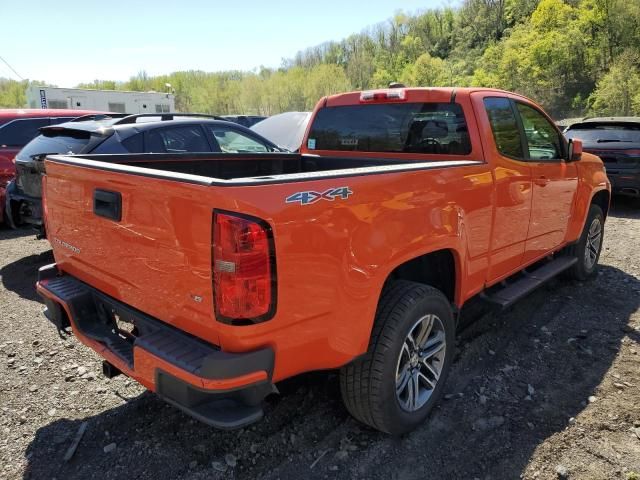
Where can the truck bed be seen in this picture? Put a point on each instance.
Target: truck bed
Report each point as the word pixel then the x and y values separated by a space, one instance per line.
pixel 235 169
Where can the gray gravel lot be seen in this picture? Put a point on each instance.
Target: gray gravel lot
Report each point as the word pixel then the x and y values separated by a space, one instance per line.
pixel 547 389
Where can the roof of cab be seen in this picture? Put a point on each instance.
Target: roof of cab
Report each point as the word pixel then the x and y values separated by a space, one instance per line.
pixel 415 94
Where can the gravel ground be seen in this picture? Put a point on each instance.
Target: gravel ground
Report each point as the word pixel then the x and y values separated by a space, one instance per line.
pixel 548 389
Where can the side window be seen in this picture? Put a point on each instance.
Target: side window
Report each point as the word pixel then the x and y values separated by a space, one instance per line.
pixel 116 107
pixel 543 139
pixel 187 138
pixel 20 132
pixel 134 143
pixel 231 141
pixel 504 126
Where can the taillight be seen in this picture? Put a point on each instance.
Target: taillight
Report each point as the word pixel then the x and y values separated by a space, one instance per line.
pixel 391 94
pixel 243 269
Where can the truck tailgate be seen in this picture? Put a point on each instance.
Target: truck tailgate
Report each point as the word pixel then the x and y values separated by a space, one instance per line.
pixel 156 257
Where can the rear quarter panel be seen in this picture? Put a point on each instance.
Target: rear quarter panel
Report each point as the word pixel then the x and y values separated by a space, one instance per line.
pixel 333 257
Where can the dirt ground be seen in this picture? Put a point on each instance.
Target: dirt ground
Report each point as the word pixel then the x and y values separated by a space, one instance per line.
pixel 548 389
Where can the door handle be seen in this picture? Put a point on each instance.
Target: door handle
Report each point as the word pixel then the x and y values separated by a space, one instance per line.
pixel 542 181
pixel 107 204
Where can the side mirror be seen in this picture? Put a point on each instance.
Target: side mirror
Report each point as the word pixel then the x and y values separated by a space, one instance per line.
pixel 575 150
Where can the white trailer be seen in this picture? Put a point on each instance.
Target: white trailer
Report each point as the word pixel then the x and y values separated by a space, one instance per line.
pixel 101 100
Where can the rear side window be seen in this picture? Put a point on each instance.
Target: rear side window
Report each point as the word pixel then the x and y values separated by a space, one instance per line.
pixel 187 138
pixel 55 142
pixel 134 144
pixel 504 126
pixel 231 141
pixel 431 128
pixel 19 132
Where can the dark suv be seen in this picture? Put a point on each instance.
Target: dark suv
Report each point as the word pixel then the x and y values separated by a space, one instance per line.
pixel 244 120
pixel 120 133
pixel 616 140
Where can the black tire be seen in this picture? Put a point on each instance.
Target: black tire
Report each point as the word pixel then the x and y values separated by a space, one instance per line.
pixel 368 384
pixel 582 270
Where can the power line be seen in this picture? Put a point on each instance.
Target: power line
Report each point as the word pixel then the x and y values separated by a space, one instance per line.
pixel 12 69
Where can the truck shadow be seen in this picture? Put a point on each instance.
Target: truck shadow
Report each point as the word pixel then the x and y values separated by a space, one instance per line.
pixel 517 379
pixel 21 276
pixel 625 207
pixel 7 233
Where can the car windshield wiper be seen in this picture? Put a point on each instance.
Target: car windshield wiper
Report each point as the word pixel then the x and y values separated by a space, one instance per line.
pixel 611 140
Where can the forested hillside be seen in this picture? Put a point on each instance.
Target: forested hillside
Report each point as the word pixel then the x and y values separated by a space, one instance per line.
pixel 575 57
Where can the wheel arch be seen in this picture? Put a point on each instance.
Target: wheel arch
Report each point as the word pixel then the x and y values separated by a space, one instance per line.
pixel 439 269
pixel 602 198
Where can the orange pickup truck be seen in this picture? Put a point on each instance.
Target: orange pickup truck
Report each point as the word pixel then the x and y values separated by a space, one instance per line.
pixel 209 278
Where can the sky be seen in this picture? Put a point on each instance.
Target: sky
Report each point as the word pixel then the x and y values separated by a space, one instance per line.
pixel 68 42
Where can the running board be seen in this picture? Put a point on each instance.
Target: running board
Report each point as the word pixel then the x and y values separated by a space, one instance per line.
pixel 529 281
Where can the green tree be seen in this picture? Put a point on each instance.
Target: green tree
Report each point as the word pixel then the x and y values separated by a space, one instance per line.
pixel 569 55
pixel 618 92
pixel 428 71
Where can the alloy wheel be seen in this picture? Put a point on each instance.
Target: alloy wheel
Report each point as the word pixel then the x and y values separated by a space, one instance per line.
pixel 594 240
pixel 420 363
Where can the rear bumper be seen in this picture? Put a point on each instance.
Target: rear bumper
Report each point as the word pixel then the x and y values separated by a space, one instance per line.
pixel 625 182
pixel 224 390
pixel 22 208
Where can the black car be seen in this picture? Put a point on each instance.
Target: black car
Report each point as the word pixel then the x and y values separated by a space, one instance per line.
pixel 120 133
pixel 616 140
pixel 244 120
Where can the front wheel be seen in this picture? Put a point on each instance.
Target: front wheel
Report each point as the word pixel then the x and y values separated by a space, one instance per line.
pixel 588 247
pixel 397 382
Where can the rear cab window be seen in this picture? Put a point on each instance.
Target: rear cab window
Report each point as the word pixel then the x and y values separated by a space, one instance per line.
pixel 423 128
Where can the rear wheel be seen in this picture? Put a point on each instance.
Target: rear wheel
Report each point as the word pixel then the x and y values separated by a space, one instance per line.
pixel 587 249
pixel 398 381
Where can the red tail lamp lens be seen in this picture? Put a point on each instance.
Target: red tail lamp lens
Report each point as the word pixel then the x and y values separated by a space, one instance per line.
pixel 243 269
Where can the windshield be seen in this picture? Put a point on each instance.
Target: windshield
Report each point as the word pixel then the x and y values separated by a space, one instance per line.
pixel 62 142
pixel 605 133
pixel 432 128
pixel 285 129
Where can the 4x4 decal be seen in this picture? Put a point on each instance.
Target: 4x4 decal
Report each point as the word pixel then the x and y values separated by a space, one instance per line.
pixel 308 197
